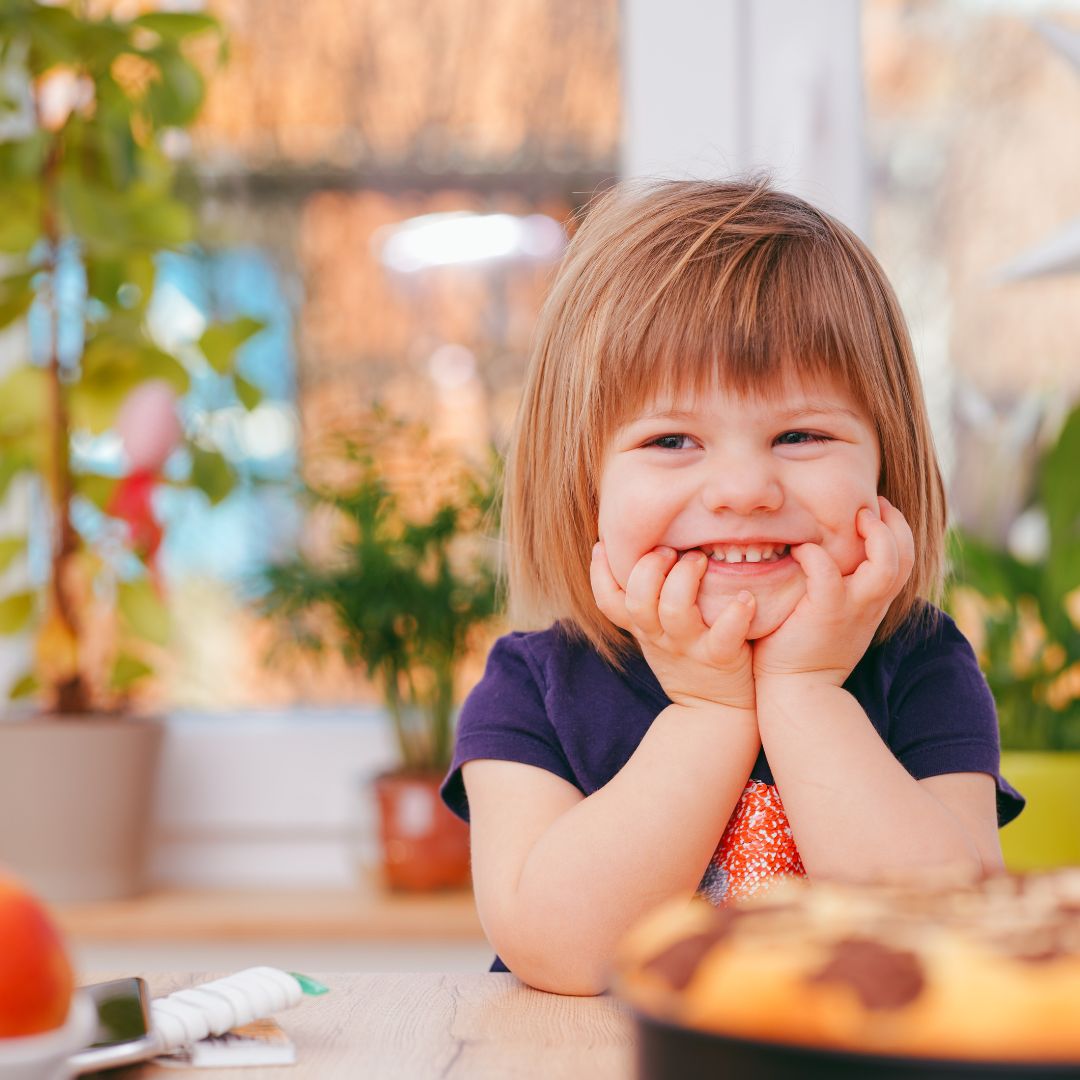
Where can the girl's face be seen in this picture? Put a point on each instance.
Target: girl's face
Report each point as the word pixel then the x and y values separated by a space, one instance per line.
pixel 743 479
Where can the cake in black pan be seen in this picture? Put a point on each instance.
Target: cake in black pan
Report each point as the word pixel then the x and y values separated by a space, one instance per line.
pixel 986 973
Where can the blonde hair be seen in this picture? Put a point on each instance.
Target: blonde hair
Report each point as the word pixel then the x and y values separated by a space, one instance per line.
pixel 681 285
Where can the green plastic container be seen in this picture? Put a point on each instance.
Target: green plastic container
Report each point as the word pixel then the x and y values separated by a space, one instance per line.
pixel 1047 833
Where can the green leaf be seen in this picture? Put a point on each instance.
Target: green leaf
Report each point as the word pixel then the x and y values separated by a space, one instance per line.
pixel 94 401
pixel 155 363
pixel 24 401
pixel 20 217
pixel 111 221
pixel 128 670
pixel 176 25
pixel 24 687
pixel 95 488
pixel 19 281
pixel 124 281
pixel 104 277
pixel 249 394
pixel 143 611
pixel 161 221
pixel 16 611
pixel 113 366
pixel 101 42
pixel 16 296
pixel 220 341
pixel 11 464
pixel 120 347
pixel 211 474
pixel 94 213
pixel 1060 494
pixel 990 571
pixel 56 37
pixel 175 99
pixel 10 548
pixel 21 161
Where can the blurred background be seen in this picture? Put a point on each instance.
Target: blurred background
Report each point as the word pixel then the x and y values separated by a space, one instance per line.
pixel 379 192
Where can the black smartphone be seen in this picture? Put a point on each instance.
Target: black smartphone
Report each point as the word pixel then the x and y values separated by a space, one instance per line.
pixel 124 1033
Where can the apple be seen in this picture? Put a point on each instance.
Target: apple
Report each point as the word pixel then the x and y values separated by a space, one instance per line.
pixel 36 980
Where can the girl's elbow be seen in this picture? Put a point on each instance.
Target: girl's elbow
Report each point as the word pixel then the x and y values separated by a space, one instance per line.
pixel 554 970
pixel 541 954
pixel 567 985
pixel 567 982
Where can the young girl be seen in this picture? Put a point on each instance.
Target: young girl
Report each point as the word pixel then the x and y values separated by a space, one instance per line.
pixel 722 495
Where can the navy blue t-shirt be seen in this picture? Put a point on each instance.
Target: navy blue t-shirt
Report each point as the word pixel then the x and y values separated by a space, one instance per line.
pixel 548 699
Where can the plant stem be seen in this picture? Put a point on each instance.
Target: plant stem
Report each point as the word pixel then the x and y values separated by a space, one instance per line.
pixel 72 694
pixel 393 701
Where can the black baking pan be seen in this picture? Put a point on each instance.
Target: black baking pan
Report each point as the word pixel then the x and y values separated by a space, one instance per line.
pixel 669 1052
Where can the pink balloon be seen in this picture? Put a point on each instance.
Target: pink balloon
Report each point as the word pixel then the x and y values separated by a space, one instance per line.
pixel 149 425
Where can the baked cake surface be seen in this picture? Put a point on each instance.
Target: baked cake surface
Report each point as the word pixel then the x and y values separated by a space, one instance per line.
pixel 987 972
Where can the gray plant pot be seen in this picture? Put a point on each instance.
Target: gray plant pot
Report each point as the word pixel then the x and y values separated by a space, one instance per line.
pixel 76 801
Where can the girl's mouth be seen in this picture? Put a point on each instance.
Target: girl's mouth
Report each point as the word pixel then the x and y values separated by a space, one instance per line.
pixel 746 558
pixel 733 554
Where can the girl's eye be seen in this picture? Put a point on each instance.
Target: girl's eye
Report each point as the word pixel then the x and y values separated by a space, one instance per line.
pixel 800 438
pixel 671 442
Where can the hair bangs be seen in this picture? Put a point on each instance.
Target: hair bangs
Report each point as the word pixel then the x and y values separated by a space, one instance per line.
pixel 749 318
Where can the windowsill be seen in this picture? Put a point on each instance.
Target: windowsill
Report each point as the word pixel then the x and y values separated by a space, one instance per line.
pixel 364 913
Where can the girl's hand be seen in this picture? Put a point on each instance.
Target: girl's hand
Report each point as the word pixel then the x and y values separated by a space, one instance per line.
pixel 695 664
pixel 835 621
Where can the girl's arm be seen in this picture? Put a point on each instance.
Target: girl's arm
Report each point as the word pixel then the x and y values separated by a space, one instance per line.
pixel 559 878
pixel 855 811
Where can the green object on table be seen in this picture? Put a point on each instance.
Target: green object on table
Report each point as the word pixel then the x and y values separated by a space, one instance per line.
pixel 309 985
pixel 1047 833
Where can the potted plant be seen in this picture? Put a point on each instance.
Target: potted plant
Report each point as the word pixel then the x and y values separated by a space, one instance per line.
pixel 1024 617
pixel 403 592
pixel 88 200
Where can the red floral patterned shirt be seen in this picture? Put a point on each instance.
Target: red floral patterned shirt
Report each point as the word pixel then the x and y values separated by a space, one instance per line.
pixel 756 850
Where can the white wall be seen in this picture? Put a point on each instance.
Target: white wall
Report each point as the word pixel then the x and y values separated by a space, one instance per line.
pixel 713 88
pixel 268 798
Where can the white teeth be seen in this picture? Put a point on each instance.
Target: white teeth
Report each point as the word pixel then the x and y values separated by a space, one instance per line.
pixel 751 553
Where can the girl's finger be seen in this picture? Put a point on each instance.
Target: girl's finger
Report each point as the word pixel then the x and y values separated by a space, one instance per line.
pixel 729 629
pixel 824 583
pixel 609 596
pixel 878 576
pixel 643 589
pixel 901 530
pixel 677 609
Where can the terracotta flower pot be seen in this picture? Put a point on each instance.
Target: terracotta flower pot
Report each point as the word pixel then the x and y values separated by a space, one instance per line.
pixel 425 847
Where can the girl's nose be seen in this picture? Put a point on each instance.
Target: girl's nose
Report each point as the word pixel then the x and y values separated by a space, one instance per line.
pixel 742 486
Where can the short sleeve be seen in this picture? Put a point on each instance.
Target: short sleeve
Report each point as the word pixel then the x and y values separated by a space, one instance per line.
pixel 505 717
pixel 942 715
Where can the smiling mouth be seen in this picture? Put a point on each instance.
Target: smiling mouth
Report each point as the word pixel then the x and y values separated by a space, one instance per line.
pixel 748 553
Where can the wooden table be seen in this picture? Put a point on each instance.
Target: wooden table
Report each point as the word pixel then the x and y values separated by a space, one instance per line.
pixel 416 1026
